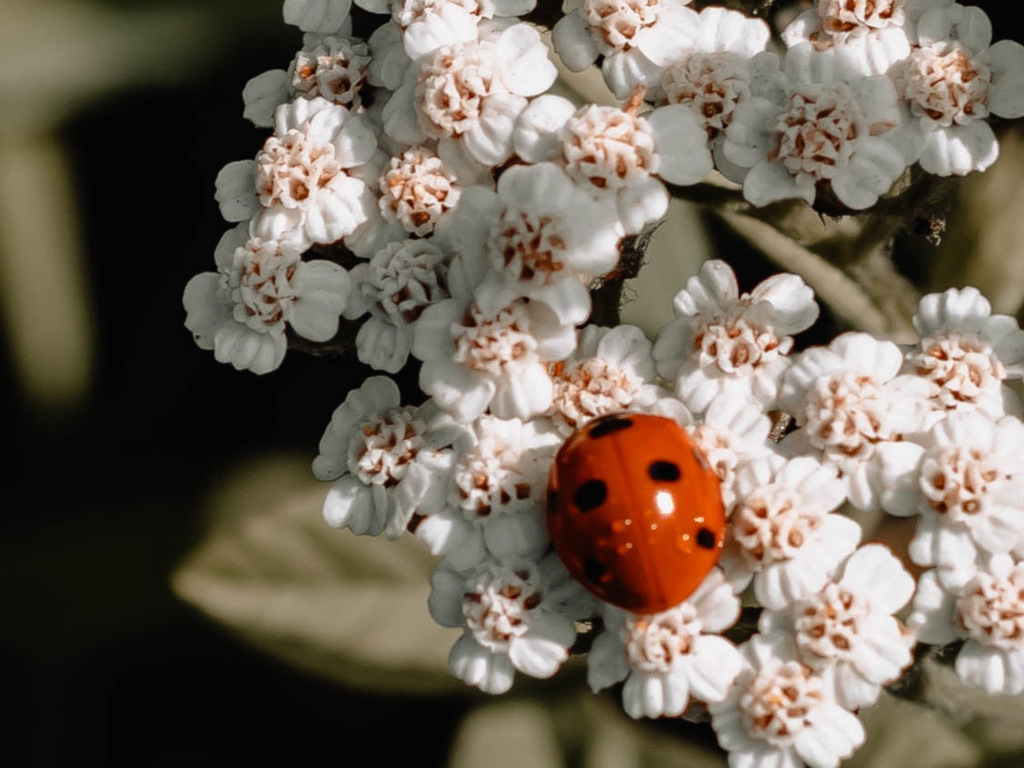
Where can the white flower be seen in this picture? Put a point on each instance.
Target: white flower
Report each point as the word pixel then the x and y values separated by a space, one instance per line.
pixel 635 38
pixel 383 457
pixel 325 17
pixel 670 657
pixel 510 619
pixel 970 487
pixel 417 190
pixel 988 612
pixel 543 236
pixel 781 713
pixel 470 93
pixel 733 431
pixel 853 410
pixel 849 626
pixel 300 186
pixel 724 341
pixel 611 370
pixel 494 493
pixel 953 79
pixel 782 531
pixel 493 356
pixel 829 127
pixel 967 353
pixel 395 286
pixel 430 24
pixel 261 289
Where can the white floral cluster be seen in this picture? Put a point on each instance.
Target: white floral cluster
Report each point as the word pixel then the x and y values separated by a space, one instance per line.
pixel 426 187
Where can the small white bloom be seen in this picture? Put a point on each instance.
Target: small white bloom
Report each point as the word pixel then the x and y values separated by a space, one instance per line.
pixel 510 618
pixel 782 531
pixel 492 356
pixel 849 625
pixel 724 341
pixel 635 37
pixel 382 457
pixel 953 79
pixel 669 658
pixel 967 353
pixel 782 714
pixel 829 127
pixel 430 24
pixel 494 501
pixel 261 289
pixel 853 409
pixel 611 370
pixel 988 612
pixel 970 484
pixel 326 17
pixel 417 190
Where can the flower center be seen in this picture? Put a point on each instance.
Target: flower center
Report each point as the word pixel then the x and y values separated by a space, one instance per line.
pixel 528 246
pixel 381 450
pixel 608 147
pixel 818 133
pixel 844 17
pixel 260 285
pixel 828 624
pixel 779 702
pixel 654 644
pixel 406 283
pixel 738 348
pixel 957 481
pixel 845 416
pixel 947 84
pixel 494 345
pixel 992 609
pixel 334 72
pixel 405 12
pixel 291 168
pixel 614 24
pixel 771 525
pixel 962 368
pixel 496 605
pixel 712 84
pixel 488 480
pixel 416 189
pixel 451 90
pixel 591 388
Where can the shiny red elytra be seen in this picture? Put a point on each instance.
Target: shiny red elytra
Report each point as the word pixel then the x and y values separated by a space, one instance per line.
pixel 635 511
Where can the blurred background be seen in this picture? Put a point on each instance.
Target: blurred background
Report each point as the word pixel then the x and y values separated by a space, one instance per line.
pixel 131 451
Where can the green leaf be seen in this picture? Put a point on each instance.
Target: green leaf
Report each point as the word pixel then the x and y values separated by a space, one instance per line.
pixel 350 609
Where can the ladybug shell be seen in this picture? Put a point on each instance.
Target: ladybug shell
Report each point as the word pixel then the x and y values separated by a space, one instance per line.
pixel 635 511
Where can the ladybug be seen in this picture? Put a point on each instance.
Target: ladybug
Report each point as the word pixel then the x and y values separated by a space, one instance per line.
pixel 635 511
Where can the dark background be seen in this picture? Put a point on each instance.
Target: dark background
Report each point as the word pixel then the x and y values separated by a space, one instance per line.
pixel 100 664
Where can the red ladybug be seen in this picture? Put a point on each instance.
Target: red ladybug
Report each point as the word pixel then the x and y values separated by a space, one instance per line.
pixel 635 511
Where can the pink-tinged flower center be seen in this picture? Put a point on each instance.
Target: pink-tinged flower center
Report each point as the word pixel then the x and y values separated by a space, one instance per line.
pixel 772 525
pixel 290 169
pixel 846 17
pixel 528 246
pixel 962 368
pixel 416 189
pixel 335 72
pixel 780 701
pixel 655 644
pixel 614 24
pixel 818 132
pixel 845 415
pixel 405 12
pixel 489 480
pixel 497 604
pixel 591 388
pixel 991 609
pixel 608 147
pixel 947 84
pixel 259 285
pixel 495 345
pixel 451 90
pixel 828 625
pixel 382 448
pixel 712 84
pixel 737 347
pixel 957 481
pixel 408 282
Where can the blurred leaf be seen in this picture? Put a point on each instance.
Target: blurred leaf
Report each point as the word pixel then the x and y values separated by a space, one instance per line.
pixel 506 734
pixel 347 608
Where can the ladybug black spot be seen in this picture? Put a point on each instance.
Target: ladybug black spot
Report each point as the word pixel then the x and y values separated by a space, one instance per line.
pixel 664 471
pixel 609 426
pixel 590 495
pixel 706 538
pixel 594 570
pixel 552 502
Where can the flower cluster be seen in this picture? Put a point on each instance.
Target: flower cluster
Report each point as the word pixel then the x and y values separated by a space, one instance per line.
pixel 426 187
